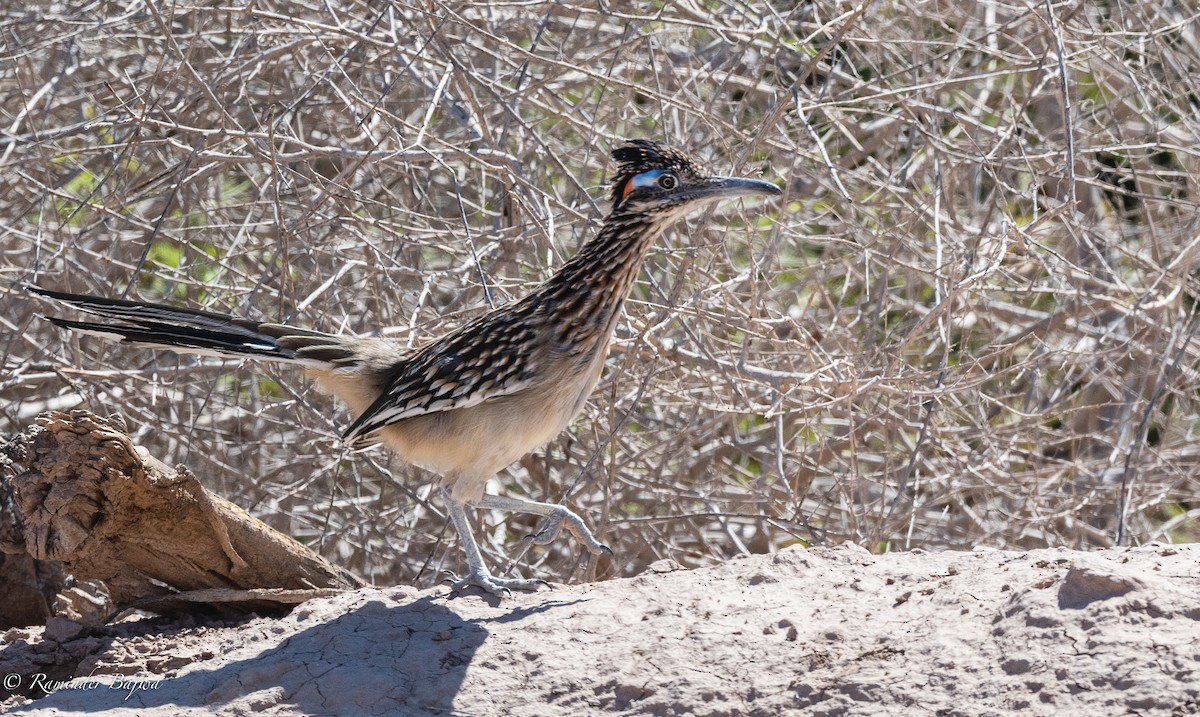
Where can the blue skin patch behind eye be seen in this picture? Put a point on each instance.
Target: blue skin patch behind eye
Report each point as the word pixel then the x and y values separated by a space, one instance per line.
pixel 643 181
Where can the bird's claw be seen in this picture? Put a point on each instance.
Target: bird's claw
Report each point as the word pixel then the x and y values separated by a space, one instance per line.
pixel 564 518
pixel 549 533
pixel 485 581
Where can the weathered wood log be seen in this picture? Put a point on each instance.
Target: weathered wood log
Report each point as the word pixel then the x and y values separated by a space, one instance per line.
pixel 109 511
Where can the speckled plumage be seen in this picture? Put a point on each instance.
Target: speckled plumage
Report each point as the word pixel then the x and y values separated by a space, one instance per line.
pixel 476 400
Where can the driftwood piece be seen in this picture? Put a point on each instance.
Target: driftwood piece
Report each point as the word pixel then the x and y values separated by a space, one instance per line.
pixel 27 590
pixel 109 511
pixel 27 587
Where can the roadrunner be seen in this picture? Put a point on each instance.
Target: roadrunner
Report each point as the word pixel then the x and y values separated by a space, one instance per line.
pixel 480 398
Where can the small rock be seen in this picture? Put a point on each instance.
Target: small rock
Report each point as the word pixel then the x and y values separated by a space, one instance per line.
pixel 60 629
pixel 666 565
pixel 1091 579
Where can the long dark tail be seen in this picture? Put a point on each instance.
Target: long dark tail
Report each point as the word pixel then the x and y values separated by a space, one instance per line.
pixel 192 331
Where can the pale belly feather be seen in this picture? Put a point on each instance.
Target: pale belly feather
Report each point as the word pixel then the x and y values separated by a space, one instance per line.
pixel 468 446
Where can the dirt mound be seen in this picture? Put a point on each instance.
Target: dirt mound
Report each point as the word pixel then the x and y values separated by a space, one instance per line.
pixel 823 631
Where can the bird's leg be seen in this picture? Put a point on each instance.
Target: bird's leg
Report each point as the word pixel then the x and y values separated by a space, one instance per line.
pixel 477 573
pixel 558 517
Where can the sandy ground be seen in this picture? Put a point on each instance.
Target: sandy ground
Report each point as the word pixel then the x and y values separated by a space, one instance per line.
pixel 816 632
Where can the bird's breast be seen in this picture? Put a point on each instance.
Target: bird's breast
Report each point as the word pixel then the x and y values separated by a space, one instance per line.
pixel 466 446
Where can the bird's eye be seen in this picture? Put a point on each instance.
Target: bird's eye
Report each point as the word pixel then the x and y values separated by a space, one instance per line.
pixel 660 178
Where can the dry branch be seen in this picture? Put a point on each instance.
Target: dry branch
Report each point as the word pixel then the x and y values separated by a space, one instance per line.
pixel 960 328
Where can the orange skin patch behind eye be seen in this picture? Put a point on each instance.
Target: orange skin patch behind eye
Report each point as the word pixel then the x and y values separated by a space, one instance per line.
pixel 639 180
pixel 628 188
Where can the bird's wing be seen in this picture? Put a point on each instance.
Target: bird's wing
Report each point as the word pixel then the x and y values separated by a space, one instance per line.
pixel 485 359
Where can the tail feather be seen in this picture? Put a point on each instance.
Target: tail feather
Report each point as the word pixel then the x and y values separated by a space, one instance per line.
pixel 186 330
pixel 180 339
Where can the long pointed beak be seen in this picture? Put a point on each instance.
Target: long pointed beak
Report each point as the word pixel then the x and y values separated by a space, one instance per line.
pixel 725 187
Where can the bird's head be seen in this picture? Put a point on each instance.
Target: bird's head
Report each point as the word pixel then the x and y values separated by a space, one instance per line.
pixel 655 179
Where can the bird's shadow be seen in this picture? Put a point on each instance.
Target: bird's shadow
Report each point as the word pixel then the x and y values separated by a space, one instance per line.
pixel 374 657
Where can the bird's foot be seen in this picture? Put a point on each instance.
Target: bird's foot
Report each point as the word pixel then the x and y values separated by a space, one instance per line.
pixel 485 581
pixel 561 518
